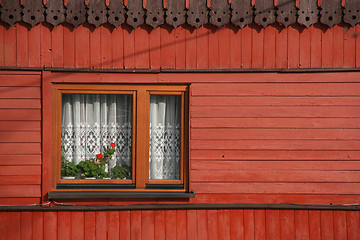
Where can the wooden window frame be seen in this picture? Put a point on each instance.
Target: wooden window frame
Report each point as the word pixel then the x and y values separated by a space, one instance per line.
pixel 140 181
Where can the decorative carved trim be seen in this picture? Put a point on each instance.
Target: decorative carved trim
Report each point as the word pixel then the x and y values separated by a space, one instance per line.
pixel 175 14
pixel 264 12
pixel 75 12
pixel 330 12
pixel 97 12
pixel 219 13
pixel 197 13
pixel 242 12
pixel 352 12
pixel 33 12
pixel 286 13
pixel 155 13
pixel 10 11
pixel 308 12
pixel 55 12
pixel 116 12
pixel 135 14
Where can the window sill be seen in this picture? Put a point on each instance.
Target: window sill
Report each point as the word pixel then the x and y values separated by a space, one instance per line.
pixel 124 195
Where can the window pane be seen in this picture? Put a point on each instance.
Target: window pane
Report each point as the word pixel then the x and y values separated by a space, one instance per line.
pixel 165 134
pixel 90 123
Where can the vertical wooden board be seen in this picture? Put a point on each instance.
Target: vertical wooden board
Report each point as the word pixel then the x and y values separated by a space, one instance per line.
pixel 135 225
pixel 154 49
pixel 125 225
pixel 26 225
pixel 2 44
pixel 314 225
pixel 117 43
pixel 64 226
pixel 82 47
pixel 316 35
pixel 214 48
pixel 50 225
pixel 327 225
pixel 142 48
pixel 269 47
pixel 113 227
pixel 13 226
pixel 340 232
pixel 338 46
pixel 235 46
pixel 357 39
pixel 190 48
pixel 167 41
pixel 35 46
pixel 181 224
pixel 287 225
pixel 259 228
pixel 100 225
pixel 10 46
pixel 272 220
pixel 349 48
pixel 45 50
pixel 95 48
pixel 224 224
pixel 201 224
pixel 305 48
pixel 159 228
pixel 89 225
pixel 147 225
pixel 202 49
pixel 224 47
pixel 353 225
pixel 106 51
pixel 249 224
pixel 237 224
pixel 22 41
pixel 57 46
pixel 129 47
pixel 38 225
pixel 192 224
pixel 69 47
pixel 281 47
pixel 180 47
pixel 301 224
pixel 212 223
pixel 3 225
pixel 170 224
pixel 327 49
pixel 293 47
pixel 77 225
pixel 257 48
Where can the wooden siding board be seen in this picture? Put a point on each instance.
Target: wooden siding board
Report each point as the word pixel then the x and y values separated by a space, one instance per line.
pixel 340 232
pixel 327 225
pixel 301 224
pixel 214 48
pixel 180 47
pixel 57 46
pixel 305 48
pixel 113 226
pixel 124 222
pixel 202 48
pixel 38 225
pixel 117 43
pixel 357 39
pixel 167 41
pixel 237 224
pixel 142 48
pixel 191 48
pixel 235 47
pixel 135 225
pixel 212 224
pixel 181 221
pixel 246 47
pixel 316 47
pixel 224 47
pixel 147 225
pixel 69 47
pixel 51 225
pixel 14 226
pixel 101 225
pixel 353 225
pixel 338 46
pixel 82 46
pixel 89 225
pixel 192 232
pixel 22 46
pixel 95 48
pixel 287 224
pixel 34 46
pixel 10 51
pixel 257 54
pixel 170 224
pixel 349 48
pixel 26 225
pixel 160 223
pixel 2 44
pixel 202 227
pixel 77 225
pixel 155 49
pixel 64 225
pixel 224 221
pixel 129 50
pixel 106 50
pixel 249 224
pixel 45 50
pixel 270 47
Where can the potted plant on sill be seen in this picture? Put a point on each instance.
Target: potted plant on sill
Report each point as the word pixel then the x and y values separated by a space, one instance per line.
pixel 121 172
pixel 68 169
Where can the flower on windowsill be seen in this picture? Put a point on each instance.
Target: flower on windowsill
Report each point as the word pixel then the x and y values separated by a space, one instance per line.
pixel 112 144
pixel 99 156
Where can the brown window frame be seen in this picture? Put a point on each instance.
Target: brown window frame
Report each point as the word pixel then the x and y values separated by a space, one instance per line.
pixel 140 181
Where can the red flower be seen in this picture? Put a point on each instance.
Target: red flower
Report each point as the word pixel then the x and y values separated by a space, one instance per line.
pixel 112 144
pixel 99 156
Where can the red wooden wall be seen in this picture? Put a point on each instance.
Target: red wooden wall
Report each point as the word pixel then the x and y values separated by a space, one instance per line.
pixel 181 224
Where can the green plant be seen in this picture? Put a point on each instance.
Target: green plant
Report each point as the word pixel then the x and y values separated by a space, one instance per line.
pixel 68 168
pixel 104 159
pixel 90 168
pixel 121 171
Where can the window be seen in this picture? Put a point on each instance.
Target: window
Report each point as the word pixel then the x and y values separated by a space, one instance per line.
pixel 120 137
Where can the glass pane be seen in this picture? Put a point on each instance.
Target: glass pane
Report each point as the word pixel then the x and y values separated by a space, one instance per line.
pixel 96 136
pixel 165 134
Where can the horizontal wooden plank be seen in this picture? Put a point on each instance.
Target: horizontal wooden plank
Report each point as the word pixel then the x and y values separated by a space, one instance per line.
pixel 13 160
pixel 292 134
pixel 275 155
pixel 280 188
pixel 20 92
pixel 277 144
pixel 20 126
pixel 308 165
pixel 104 77
pixel 274 111
pixel 20 191
pixel 20 114
pixel 276 89
pixel 12 72
pixel 20 137
pixel 19 201
pixel 20 180
pixel 274 101
pixel 275 176
pixel 21 149
pixel 254 122
pixel 20 80
pixel 29 170
pixel 20 103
